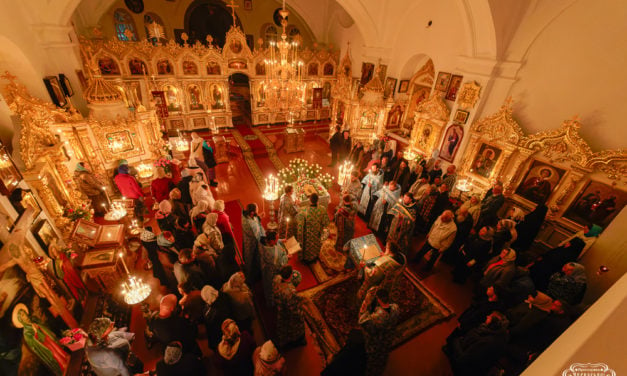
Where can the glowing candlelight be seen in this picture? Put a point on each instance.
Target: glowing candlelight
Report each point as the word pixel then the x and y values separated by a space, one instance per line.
pixel 121 255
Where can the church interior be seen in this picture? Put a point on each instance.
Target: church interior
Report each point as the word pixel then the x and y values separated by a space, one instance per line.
pixel 335 187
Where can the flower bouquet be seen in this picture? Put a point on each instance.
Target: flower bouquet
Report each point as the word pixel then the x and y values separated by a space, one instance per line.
pixel 74 339
pixel 74 214
pixel 165 163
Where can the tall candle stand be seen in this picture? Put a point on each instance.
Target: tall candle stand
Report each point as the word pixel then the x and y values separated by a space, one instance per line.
pixel 271 194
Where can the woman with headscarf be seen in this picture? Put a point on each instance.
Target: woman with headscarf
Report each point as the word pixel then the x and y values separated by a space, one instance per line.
pixel 529 227
pixel 569 284
pixel 203 193
pixel 130 188
pixel 500 271
pixel 210 161
pixel 268 361
pixel 223 222
pixel 175 362
pixel 149 242
pixel 161 186
pixel 107 348
pixel 164 217
pixel 235 351
pixel 196 154
pixel 515 214
pixel 92 187
pixel 198 214
pixel 218 309
pixel 241 299
pixel 252 231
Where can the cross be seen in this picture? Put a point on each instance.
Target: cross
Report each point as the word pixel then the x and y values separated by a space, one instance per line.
pixel 233 6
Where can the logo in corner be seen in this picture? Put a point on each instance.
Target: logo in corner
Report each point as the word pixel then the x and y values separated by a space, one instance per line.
pixel 589 369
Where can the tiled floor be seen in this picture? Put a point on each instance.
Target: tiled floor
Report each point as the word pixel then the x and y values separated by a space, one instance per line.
pixel 421 355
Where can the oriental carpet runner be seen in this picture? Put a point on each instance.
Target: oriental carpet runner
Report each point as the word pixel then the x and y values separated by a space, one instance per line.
pixel 332 310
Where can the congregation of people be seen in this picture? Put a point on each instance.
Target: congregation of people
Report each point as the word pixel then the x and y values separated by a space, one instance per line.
pixel 523 298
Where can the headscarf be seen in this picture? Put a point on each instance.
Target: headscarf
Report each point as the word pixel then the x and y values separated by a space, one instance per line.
pixel 80 167
pixel 97 329
pixel 123 169
pixel 147 236
pixel 268 353
pixel 200 207
pixel 165 207
pixel 206 146
pixel 230 339
pixel 211 220
pixel 123 162
pixel 173 353
pixel 209 294
pixel 236 283
pixel 595 230
pixel 579 273
pixel 218 205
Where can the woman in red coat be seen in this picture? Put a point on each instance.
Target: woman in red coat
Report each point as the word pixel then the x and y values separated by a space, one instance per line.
pixel 161 186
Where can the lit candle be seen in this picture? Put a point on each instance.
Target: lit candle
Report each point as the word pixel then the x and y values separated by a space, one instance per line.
pixel 107 195
pixel 286 226
pixel 121 255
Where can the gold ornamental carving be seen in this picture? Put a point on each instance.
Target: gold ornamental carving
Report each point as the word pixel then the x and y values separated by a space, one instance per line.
pixel 500 126
pixel 469 95
pixel 434 108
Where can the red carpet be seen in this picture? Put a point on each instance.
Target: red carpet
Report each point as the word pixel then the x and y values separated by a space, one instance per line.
pixel 257 147
pixel 234 211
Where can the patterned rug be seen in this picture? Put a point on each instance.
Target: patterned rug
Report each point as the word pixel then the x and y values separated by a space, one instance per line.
pixel 331 310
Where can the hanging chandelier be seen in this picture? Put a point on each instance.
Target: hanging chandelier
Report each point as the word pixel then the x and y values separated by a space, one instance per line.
pixel 283 86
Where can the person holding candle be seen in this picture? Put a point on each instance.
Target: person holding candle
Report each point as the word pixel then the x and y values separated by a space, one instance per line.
pixel 309 224
pixel 353 187
pixel 161 186
pixel 287 213
pixel 130 188
pixel 93 188
pixel 273 258
pixel 345 221
pixel 372 183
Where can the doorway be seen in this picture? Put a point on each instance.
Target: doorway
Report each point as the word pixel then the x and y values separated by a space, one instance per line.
pixel 239 97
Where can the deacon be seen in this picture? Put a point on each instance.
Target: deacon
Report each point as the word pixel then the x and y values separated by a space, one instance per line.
pixel 372 183
pixel 287 213
pixel 290 321
pixel 403 220
pixel 345 221
pixel 354 187
pixel 388 196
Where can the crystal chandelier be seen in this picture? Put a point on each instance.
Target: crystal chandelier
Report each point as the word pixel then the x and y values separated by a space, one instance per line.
pixel 283 86
pixel 134 289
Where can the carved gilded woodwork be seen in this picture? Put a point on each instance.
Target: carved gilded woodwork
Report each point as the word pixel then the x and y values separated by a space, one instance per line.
pixel 499 126
pixel 234 57
pixel 469 95
pixel 430 118
pixel 563 147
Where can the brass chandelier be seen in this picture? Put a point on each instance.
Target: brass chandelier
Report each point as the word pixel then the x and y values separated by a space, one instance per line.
pixel 283 86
